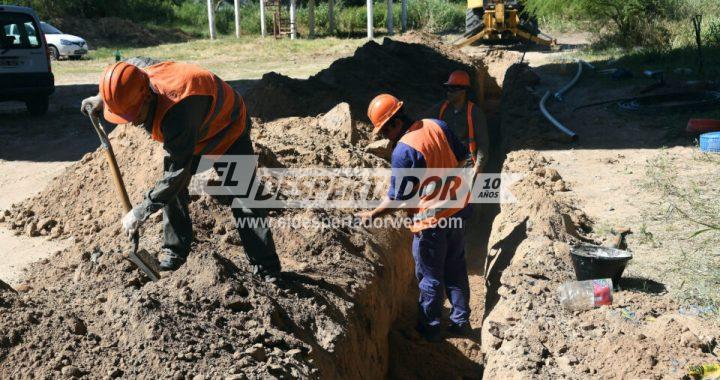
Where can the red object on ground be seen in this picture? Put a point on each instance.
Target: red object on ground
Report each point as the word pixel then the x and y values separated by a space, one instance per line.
pixel 697 126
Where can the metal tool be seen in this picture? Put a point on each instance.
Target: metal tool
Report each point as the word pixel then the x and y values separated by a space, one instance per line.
pixel 140 257
pixel 619 237
pixel 503 19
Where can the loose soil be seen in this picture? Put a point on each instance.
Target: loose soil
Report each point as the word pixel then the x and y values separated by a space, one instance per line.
pixel 346 305
pixel 91 313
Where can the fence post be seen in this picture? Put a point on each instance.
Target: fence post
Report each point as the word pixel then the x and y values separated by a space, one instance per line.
pixel 293 19
pixel 211 18
pixel 262 18
pixel 237 18
pixel 331 16
pixel 311 18
pixel 370 14
pixel 389 17
pixel 403 17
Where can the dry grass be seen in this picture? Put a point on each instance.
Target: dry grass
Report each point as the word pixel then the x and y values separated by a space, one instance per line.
pixel 688 224
pixel 230 58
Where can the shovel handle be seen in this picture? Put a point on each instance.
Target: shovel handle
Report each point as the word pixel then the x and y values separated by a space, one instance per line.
pixel 112 162
pixel 117 178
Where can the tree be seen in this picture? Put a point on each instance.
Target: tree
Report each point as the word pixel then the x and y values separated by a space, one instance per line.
pixel 629 22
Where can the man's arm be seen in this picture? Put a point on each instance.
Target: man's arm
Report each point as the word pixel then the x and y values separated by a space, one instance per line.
pixel 179 129
pixel 482 141
pixel 403 157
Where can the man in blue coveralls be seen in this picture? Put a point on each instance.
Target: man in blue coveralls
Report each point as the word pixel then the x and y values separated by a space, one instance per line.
pixel 439 251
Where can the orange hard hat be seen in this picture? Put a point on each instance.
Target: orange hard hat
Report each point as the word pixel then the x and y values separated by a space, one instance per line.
pixel 123 88
pixel 382 109
pixel 458 78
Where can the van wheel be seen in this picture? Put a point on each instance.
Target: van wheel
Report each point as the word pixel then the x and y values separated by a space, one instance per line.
pixel 38 106
pixel 54 53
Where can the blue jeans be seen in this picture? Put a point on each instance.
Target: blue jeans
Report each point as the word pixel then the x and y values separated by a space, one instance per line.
pixel 441 271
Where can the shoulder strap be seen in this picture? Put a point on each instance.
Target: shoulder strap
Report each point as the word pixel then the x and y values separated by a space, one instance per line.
pixel 471 132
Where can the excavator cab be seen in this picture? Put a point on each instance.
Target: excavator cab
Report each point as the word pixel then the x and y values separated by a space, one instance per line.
pixel 495 20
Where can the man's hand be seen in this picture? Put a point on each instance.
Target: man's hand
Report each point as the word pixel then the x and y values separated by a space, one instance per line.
pixel 477 170
pixel 131 223
pixel 94 103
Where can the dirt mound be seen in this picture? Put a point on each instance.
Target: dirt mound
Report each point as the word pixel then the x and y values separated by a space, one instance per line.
pixel 523 125
pixel 87 311
pixel 412 71
pixel 114 32
pixel 526 333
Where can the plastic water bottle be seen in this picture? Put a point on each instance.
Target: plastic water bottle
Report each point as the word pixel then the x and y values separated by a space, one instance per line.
pixel 582 295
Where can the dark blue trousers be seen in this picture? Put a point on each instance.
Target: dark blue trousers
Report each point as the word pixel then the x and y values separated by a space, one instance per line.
pixel 441 271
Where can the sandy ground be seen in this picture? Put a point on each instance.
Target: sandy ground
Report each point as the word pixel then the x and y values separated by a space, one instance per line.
pixel 607 168
pixel 35 150
pixel 22 179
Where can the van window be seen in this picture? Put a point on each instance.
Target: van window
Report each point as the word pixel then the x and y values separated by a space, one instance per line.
pixel 18 31
pixel 49 29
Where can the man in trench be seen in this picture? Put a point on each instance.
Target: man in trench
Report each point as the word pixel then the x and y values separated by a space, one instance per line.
pixel 469 124
pixel 438 248
pixel 465 119
pixel 192 113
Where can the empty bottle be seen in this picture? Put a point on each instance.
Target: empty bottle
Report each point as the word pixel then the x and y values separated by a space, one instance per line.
pixel 582 295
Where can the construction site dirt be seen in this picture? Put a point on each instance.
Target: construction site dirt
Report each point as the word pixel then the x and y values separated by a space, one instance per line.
pixel 347 302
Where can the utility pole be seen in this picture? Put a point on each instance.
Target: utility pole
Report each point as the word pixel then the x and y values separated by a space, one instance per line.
pixel 211 18
pixel 311 18
pixel 389 17
pixel 331 16
pixel 262 18
pixel 237 18
pixel 370 11
pixel 403 17
pixel 293 19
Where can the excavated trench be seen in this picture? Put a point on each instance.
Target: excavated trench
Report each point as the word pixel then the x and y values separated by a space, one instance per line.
pixel 410 355
pixel 349 308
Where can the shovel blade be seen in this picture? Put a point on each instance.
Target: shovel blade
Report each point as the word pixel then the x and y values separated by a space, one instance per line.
pixel 146 263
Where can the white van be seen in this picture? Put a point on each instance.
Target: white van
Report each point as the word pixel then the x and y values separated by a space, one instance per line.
pixel 25 72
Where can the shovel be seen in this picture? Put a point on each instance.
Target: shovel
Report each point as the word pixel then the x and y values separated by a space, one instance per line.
pixel 140 257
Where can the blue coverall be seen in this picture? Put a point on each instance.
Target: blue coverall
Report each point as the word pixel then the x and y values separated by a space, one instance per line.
pixel 439 253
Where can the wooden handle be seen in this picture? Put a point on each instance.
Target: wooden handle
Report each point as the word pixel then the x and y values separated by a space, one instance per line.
pixel 117 178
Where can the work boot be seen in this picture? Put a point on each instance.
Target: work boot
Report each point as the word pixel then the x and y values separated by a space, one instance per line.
pixel 269 275
pixel 170 261
pixel 429 333
pixel 463 330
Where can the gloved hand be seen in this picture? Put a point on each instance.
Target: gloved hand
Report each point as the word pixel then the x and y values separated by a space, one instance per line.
pixel 131 223
pixel 94 102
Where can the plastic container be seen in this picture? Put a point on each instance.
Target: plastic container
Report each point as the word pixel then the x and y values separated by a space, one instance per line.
pixel 583 295
pixel 698 126
pixel 593 262
pixel 710 142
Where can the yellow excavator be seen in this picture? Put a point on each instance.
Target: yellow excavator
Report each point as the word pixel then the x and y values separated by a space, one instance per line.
pixel 495 20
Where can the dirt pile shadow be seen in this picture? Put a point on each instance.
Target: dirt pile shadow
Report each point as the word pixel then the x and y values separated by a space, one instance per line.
pixel 414 71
